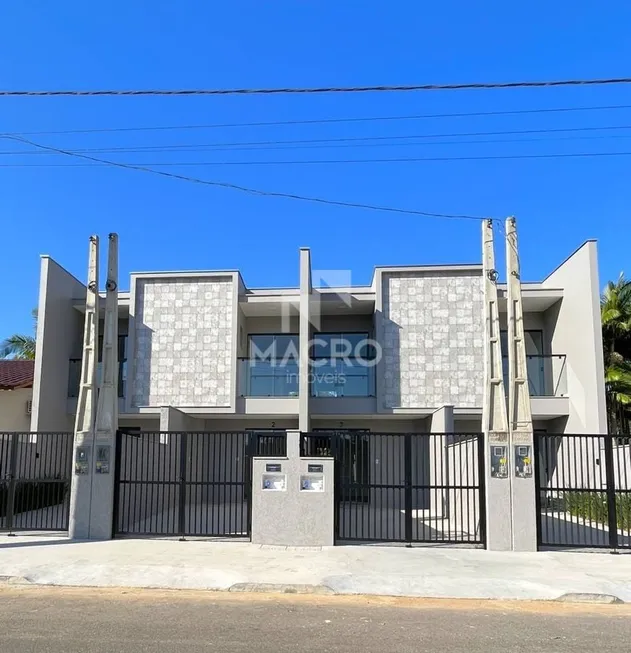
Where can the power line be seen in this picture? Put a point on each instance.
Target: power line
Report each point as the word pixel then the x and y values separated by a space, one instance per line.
pixel 331 146
pixel 324 120
pixel 334 146
pixel 139 166
pixel 253 191
pixel 309 142
pixel 328 89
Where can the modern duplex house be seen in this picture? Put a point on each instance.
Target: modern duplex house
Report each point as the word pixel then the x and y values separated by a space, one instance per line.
pixel 204 351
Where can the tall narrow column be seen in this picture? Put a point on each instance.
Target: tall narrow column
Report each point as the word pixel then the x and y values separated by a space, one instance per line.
pixel 494 418
pixel 107 408
pixel 81 488
pixel 520 418
pixel 304 388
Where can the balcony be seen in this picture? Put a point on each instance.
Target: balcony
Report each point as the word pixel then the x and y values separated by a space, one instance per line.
pixel 547 375
pixel 342 377
pixel 547 385
pixel 268 378
pixel 74 377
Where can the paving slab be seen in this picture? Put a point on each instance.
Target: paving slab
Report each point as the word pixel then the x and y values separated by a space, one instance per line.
pixel 379 570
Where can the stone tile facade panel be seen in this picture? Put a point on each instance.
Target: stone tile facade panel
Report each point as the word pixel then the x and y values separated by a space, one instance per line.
pixel 183 342
pixel 433 328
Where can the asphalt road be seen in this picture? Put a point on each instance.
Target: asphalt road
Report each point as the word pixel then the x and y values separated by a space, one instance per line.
pixel 56 620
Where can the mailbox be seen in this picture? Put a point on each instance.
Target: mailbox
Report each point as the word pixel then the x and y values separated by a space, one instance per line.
pixel 312 483
pixel 274 482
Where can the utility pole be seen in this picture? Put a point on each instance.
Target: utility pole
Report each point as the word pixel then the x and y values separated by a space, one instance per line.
pixel 106 421
pixel 81 489
pixel 494 418
pixel 519 413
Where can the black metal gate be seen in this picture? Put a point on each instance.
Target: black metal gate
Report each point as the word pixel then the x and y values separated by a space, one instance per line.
pixel 35 473
pixel 187 483
pixel 405 487
pixel 583 490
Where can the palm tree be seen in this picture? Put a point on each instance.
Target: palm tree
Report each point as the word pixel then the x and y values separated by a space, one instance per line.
pixel 615 309
pixel 20 346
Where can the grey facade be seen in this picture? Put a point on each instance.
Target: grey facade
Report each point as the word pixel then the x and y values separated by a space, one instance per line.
pixel 186 344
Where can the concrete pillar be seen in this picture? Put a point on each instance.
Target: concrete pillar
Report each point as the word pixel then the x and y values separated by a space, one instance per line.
pixel 292 498
pixel 494 418
pixel 106 421
pixel 304 388
pixel 82 459
pixel 441 422
pixel 524 511
pixel 174 420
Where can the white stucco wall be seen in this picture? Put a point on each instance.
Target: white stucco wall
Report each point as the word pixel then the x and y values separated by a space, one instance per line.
pixel 184 331
pixel 431 330
pixel 574 328
pixel 59 329
pixel 13 415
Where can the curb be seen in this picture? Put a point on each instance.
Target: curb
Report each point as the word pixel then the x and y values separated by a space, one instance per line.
pixel 281 589
pixel 585 597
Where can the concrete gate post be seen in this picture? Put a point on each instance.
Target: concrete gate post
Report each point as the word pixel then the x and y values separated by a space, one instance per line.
pixel 292 498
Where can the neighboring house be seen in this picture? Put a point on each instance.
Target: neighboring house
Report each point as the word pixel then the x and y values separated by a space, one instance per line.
pixel 16 394
pixel 191 350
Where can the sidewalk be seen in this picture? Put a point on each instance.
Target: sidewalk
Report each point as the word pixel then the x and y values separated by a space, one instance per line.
pixel 379 570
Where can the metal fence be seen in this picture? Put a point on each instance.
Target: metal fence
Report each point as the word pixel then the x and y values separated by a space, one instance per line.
pixel 583 489
pixel 188 483
pixel 405 487
pixel 35 474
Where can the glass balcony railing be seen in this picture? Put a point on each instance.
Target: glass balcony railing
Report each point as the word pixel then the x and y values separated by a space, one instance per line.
pixel 547 374
pixel 74 377
pixel 268 378
pixel 342 377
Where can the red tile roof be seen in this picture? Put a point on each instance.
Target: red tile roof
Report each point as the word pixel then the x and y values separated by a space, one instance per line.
pixel 16 374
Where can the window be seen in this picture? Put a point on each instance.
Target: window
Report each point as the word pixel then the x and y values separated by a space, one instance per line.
pixel 342 365
pixel 74 375
pixel 272 367
pixel 274 347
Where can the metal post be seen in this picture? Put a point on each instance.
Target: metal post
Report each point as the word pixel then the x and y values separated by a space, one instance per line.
pixel 81 488
pixel 408 487
pixel 610 480
pixel 524 511
pixel 494 418
pixel 13 461
pixel 182 484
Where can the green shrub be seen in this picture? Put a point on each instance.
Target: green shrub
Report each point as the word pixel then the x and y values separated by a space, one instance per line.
pixel 593 507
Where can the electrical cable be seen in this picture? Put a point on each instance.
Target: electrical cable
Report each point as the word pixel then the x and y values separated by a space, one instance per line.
pixel 317 121
pixel 312 161
pixel 309 142
pixel 323 89
pixel 254 191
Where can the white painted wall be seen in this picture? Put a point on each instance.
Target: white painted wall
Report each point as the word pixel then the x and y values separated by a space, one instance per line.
pixel 59 328
pixel 13 415
pixel 574 328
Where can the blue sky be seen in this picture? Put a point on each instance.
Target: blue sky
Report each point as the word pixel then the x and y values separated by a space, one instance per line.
pixel 167 224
